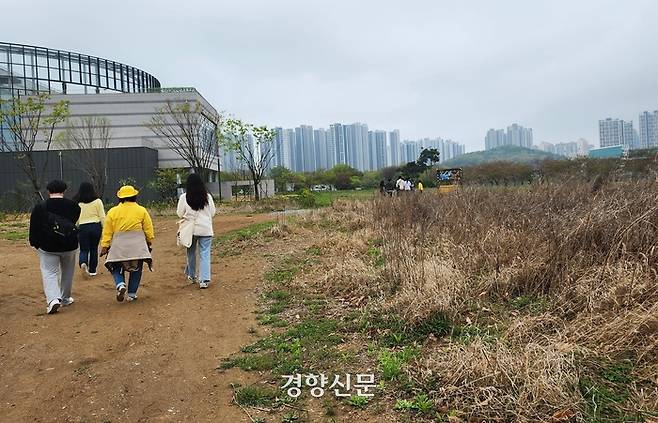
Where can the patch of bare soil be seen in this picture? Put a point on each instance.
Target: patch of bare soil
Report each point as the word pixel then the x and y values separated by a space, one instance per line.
pixel 152 360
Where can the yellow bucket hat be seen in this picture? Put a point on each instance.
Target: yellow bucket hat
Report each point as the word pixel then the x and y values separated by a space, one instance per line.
pixel 127 191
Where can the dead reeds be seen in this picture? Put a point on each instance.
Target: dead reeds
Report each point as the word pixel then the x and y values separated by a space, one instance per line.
pixel 568 275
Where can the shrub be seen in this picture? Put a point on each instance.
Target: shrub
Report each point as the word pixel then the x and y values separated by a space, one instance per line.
pixel 306 199
pixel 166 183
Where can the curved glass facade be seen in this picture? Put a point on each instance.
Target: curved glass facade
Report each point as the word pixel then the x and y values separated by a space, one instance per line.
pixel 29 69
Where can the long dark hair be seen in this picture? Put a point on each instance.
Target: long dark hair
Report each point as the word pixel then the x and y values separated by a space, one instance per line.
pixel 196 193
pixel 86 193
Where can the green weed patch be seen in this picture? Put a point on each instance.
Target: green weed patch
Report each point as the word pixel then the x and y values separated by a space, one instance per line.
pixel 255 396
pixel 231 243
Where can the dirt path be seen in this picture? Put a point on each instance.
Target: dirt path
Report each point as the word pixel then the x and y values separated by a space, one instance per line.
pixel 102 361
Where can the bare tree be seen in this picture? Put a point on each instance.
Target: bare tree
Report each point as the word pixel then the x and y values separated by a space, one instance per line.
pixel 30 121
pixel 187 131
pixel 253 146
pixel 90 137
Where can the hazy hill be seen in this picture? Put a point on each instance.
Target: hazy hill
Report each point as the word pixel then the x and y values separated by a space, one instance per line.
pixel 507 153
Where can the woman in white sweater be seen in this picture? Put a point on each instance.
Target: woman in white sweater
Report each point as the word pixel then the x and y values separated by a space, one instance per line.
pixel 196 209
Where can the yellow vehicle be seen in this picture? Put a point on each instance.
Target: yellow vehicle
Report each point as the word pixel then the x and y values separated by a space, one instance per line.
pixel 447 180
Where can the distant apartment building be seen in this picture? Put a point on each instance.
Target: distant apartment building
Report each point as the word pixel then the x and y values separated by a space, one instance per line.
pixel 452 150
pixel 365 148
pixel 281 148
pixel 352 153
pixel 648 134
pixel 584 147
pixel 393 155
pixel 447 149
pixel 515 135
pixel 337 140
pixel 519 136
pixel 410 151
pixel 378 150
pixel 616 132
pixel 308 149
pixel 546 146
pixel 356 141
pixel 289 140
pixel 296 153
pixel 321 150
pixel 495 138
pixel 567 149
pixel 636 139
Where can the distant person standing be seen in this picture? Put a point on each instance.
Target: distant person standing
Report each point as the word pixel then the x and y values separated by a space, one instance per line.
pixel 420 186
pixel 196 209
pixel 382 187
pixel 390 187
pixel 54 235
pixel 90 224
pixel 407 185
pixel 399 184
pixel 127 239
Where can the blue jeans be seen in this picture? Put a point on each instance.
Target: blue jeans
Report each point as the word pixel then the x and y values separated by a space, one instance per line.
pixel 205 242
pixel 89 236
pixel 133 279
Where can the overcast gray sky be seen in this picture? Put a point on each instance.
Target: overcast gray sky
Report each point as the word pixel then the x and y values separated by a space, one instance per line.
pixel 429 68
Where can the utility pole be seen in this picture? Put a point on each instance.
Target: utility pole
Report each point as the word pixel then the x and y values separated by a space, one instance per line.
pixel 219 172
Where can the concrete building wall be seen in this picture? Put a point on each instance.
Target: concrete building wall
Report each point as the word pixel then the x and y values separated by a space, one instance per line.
pixel 138 163
pixel 129 115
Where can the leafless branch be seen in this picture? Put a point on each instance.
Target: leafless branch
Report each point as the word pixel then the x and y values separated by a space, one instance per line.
pixel 90 138
pixel 186 129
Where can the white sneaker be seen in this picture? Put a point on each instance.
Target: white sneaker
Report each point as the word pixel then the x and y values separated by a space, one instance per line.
pixel 93 274
pixel 204 284
pixel 67 301
pixel 85 269
pixel 121 292
pixel 53 306
pixel 131 297
pixel 191 279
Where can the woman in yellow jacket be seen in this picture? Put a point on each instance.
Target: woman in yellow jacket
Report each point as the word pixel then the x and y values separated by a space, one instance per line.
pixel 90 226
pixel 127 238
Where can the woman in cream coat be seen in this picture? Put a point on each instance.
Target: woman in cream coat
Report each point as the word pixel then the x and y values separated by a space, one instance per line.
pixel 196 209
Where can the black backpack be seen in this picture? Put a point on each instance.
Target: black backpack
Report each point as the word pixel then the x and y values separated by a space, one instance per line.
pixel 59 227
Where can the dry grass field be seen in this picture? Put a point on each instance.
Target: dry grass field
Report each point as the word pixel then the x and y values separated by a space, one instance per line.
pixel 520 304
